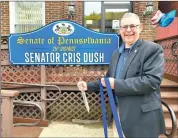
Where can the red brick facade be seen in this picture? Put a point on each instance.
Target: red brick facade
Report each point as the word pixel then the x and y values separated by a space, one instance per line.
pixel 53 11
pixel 5 27
pixel 57 10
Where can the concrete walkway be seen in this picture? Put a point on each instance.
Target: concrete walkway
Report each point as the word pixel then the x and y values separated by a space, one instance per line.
pixel 69 129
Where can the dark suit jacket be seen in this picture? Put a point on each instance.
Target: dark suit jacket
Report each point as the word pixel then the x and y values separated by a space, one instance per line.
pixel 138 90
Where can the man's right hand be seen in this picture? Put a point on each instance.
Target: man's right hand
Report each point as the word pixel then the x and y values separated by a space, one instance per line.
pixel 82 86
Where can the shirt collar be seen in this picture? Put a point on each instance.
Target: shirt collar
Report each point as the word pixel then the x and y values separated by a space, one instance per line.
pixel 122 47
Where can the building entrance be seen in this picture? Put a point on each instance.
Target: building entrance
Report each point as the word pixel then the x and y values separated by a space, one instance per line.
pixel 111 14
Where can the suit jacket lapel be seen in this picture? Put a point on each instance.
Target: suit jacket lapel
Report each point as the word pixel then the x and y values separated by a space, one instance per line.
pixel 114 65
pixel 130 58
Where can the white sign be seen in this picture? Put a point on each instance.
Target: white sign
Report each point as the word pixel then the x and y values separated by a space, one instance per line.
pixel 115 24
pixel 89 21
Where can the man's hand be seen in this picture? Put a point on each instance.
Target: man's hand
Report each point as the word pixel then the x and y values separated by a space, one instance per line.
pixel 111 80
pixel 82 86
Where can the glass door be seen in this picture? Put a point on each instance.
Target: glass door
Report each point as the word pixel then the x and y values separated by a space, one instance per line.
pixel 112 13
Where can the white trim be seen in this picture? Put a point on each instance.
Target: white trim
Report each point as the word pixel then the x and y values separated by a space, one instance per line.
pixel 43 12
pixel 12 16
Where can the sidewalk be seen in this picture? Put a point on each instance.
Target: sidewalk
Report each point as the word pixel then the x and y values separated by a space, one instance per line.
pixel 69 129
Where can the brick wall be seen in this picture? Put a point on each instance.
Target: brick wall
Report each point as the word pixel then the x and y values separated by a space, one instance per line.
pixel 5 27
pixel 54 11
pixel 148 32
pixel 59 11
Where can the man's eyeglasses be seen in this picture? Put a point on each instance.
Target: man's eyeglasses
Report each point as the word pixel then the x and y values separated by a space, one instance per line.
pixel 132 27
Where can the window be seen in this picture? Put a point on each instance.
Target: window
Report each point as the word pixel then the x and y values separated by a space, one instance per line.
pixel 99 16
pixel 26 16
pixel 92 15
pixel 117 2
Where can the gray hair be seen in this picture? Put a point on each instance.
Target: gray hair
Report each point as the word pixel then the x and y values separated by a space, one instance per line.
pixel 129 18
pixel 129 14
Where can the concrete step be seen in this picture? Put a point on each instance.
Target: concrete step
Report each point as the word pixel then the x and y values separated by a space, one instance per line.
pixel 173 106
pixel 169 95
pixel 169 89
pixel 168 83
pixel 173 103
pixel 68 129
pixel 168 123
pixel 170 101
pixel 167 115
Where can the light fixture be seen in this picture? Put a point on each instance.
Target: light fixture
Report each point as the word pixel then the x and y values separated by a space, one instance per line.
pixel 149 8
pixel 71 9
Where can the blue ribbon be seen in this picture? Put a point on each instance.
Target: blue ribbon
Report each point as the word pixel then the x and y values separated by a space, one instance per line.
pixel 103 110
pixel 113 109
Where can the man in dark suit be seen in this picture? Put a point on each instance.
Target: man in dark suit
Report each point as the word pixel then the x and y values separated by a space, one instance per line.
pixel 135 73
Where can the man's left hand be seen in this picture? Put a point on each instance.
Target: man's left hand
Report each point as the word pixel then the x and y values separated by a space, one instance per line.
pixel 111 80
